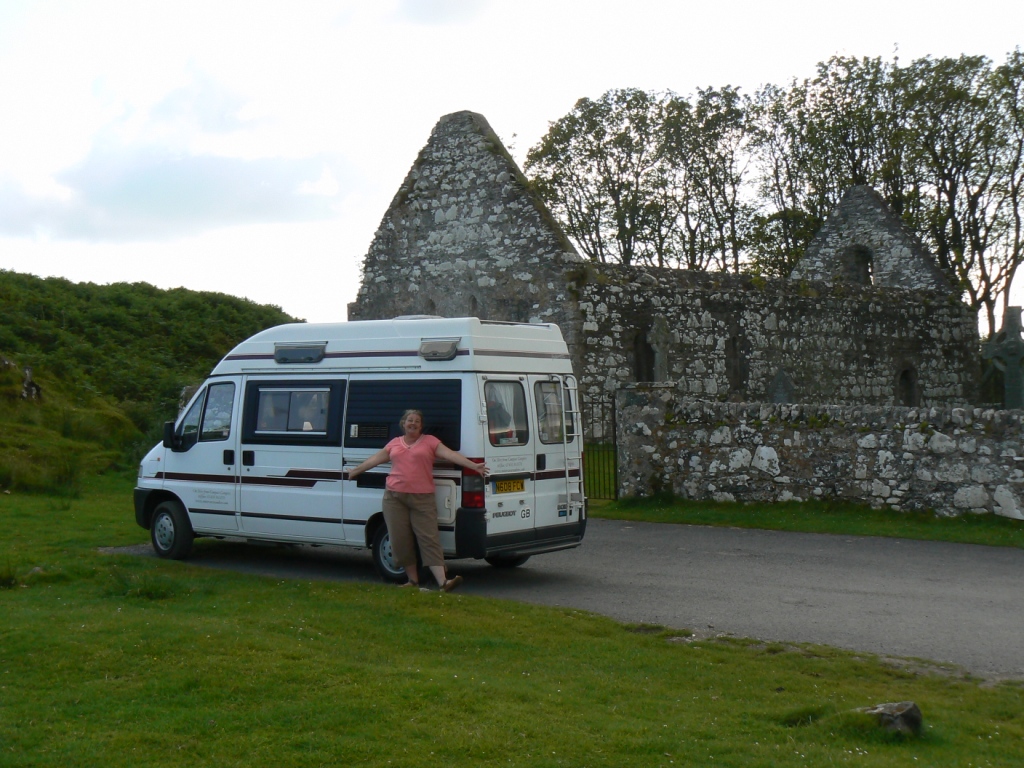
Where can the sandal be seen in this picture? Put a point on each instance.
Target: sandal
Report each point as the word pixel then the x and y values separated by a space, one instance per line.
pixel 409 583
pixel 450 584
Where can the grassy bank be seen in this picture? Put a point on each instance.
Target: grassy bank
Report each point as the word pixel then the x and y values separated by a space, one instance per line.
pixel 118 660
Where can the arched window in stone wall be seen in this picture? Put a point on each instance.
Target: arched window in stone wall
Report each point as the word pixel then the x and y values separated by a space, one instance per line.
pixel 474 307
pixel 907 392
pixel 643 355
pixel 857 264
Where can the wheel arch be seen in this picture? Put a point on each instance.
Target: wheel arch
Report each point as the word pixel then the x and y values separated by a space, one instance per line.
pixel 376 521
pixel 152 501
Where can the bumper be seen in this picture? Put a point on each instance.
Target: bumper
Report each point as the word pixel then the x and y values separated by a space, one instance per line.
pixel 471 539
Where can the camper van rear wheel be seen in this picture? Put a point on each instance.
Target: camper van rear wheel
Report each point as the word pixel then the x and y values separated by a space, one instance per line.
pixel 383 559
pixel 171 531
pixel 507 561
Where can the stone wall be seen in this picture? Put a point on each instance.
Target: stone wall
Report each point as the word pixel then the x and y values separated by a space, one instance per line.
pixel 862 240
pixel 950 460
pixel 465 236
pixel 729 337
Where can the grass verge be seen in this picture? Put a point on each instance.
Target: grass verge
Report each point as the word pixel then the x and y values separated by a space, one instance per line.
pixel 819 517
pixel 122 660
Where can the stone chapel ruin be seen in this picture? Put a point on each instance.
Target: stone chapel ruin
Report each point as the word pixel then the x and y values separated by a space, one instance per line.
pixel 866 317
pixel 852 378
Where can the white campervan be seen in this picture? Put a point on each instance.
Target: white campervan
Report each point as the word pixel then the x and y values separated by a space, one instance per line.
pixel 261 450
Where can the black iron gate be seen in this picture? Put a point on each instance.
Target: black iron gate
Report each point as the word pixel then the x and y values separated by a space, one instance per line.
pixel 600 459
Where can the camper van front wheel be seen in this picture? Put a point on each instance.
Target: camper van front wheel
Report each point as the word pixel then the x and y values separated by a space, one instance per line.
pixel 383 559
pixel 171 531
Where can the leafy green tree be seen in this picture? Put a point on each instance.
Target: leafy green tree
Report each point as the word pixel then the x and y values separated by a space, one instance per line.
pixel 649 178
pixel 599 170
pixel 814 140
pixel 707 142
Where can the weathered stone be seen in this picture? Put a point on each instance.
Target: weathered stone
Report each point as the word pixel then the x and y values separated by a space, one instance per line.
pixel 941 444
pixel 1006 503
pixel 767 460
pixel 898 717
pixel 972 497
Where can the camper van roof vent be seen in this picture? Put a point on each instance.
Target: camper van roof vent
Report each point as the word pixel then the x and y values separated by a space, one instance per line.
pixel 439 349
pixel 306 352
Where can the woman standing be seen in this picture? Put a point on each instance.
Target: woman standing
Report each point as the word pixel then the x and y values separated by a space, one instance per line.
pixel 409 507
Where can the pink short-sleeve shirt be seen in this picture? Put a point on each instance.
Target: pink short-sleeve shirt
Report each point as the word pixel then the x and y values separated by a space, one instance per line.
pixel 412 467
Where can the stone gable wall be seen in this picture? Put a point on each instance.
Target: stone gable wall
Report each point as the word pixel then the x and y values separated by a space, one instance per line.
pixel 950 460
pixel 863 219
pixel 727 337
pixel 464 236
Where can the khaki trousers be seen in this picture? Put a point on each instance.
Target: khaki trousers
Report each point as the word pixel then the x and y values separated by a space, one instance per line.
pixel 412 519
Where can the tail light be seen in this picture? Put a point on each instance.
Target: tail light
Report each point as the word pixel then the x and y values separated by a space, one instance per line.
pixel 472 490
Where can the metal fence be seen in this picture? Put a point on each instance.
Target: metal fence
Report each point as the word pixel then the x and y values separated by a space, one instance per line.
pixel 600 461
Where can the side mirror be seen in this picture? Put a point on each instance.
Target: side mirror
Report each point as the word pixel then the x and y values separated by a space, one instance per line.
pixel 169 435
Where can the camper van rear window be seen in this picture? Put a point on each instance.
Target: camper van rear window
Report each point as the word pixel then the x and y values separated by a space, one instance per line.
pixel 506 413
pixel 551 422
pixel 286 354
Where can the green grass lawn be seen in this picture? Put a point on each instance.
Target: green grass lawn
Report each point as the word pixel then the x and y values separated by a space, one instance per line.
pixel 118 660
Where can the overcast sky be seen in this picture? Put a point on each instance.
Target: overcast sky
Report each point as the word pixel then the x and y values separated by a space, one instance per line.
pixel 253 147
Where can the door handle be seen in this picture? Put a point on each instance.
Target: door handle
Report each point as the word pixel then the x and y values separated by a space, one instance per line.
pixel 229 456
pixel 249 458
pixel 542 461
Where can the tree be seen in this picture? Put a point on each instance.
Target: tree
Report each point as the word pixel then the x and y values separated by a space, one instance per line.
pixel 599 170
pixel 649 178
pixel 816 139
pixel 965 119
pixel 707 144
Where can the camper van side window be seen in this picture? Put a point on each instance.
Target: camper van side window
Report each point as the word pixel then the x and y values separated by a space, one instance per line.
pixel 292 410
pixel 550 420
pixel 220 401
pixel 506 413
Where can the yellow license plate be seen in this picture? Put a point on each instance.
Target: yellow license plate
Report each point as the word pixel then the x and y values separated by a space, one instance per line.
pixel 509 486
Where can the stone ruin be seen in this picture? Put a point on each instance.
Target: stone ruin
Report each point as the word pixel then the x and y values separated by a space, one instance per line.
pixel 865 318
pixel 851 379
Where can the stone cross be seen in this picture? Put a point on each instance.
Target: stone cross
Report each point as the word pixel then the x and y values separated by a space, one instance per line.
pixel 1006 351
pixel 661 338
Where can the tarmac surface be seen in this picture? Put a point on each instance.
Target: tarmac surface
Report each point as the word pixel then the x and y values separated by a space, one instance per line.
pixel 958 604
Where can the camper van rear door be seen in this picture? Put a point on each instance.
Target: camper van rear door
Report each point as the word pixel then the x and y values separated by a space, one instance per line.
pixel 509 445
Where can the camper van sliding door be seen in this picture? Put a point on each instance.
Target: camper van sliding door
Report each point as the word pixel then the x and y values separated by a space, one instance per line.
pixel 291 460
pixel 375 406
pixel 509 445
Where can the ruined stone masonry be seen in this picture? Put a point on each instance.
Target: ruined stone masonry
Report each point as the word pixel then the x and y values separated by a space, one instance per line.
pixel 465 237
pixel 951 460
pixel 732 337
pixel 866 324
